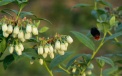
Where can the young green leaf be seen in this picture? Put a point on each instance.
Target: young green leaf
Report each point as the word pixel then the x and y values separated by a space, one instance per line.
pixel 112 21
pixel 84 39
pixel 43 29
pixel 3 45
pixel 104 3
pixel 81 5
pixel 59 59
pixel 23 14
pixel 106 60
pixel 7 61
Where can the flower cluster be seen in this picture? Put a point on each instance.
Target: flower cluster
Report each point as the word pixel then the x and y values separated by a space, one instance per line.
pixel 56 45
pixel 18 32
pixel 77 67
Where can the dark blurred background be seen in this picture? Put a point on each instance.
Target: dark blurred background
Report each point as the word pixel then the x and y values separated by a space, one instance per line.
pixel 64 19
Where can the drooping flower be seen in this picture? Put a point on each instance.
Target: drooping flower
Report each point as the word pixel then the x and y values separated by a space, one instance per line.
pixel 11 48
pixel 21 34
pixel 16 30
pixel 28 35
pixel 69 39
pixel 51 49
pixel 41 61
pixel 5 34
pixel 61 52
pixel 57 45
pixel 28 28
pixel 10 29
pixel 63 47
pixel 21 46
pixel 40 50
pixel 34 30
pixel 46 49
pixel 4 27
pixel 44 55
pixel 51 55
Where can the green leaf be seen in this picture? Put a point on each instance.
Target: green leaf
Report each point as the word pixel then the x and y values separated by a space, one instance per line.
pixel 29 52
pixel 110 71
pixel 87 56
pixel 5 2
pixel 119 28
pixel 81 5
pixel 113 36
pixel 3 45
pixel 36 18
pixel 21 1
pixel 84 39
pixel 104 3
pixel 7 61
pixel 59 59
pixel 23 14
pixel 112 21
pixel 106 60
pixel 43 29
pixel 120 8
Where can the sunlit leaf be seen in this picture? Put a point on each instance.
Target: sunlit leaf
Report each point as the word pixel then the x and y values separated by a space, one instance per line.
pixel 112 21
pixel 84 39
pixel 7 61
pixel 81 5
pixel 59 59
pixel 43 29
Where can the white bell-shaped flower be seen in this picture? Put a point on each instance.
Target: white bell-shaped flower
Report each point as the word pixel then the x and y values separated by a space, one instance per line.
pixel 19 52
pixel 61 52
pixel 51 55
pixel 51 48
pixel 21 34
pixel 11 48
pixel 10 29
pixel 46 49
pixel 28 28
pixel 69 39
pixel 34 30
pixel 14 35
pixel 74 69
pixel 28 35
pixel 44 55
pixel 57 45
pixel 41 61
pixel 16 30
pixel 22 39
pixel 4 27
pixel 5 34
pixel 40 50
pixel 63 47
pixel 21 46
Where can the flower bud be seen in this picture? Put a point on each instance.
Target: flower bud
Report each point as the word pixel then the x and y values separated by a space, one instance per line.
pixel 46 49
pixel 16 30
pixel 31 61
pixel 11 48
pixel 41 61
pixel 66 44
pixel 35 30
pixel 14 35
pixel 57 45
pixel 28 35
pixel 91 66
pixel 19 52
pixel 51 55
pixel 51 49
pixel 22 39
pixel 69 39
pixel 84 74
pixel 40 50
pixel 10 29
pixel 21 46
pixel 28 28
pixel 44 55
pixel 61 52
pixel 88 72
pixel 5 34
pixel 74 70
pixel 4 27
pixel 63 47
pixel 16 48
pixel 21 34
